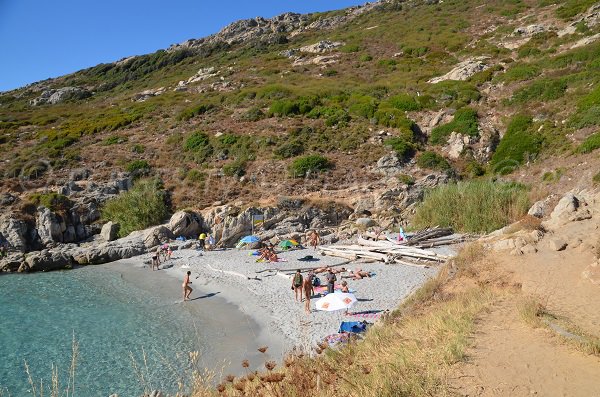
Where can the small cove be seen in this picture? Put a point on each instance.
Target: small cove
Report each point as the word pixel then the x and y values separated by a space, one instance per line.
pixel 117 314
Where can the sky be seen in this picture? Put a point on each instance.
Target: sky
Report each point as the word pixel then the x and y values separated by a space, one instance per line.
pixel 49 38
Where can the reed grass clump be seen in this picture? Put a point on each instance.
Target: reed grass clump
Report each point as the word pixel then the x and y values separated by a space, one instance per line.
pixel 473 206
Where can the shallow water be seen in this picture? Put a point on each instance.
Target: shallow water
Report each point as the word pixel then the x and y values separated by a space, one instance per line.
pixel 114 322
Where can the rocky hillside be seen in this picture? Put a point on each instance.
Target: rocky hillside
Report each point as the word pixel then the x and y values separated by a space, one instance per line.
pixel 365 107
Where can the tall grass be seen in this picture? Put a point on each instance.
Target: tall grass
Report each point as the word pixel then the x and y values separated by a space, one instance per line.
pixel 143 206
pixel 473 206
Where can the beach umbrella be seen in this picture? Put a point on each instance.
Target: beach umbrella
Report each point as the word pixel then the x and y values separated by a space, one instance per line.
pixel 336 301
pixel 288 244
pixel 249 239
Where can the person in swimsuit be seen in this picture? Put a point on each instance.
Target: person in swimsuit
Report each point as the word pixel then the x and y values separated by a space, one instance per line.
pixel 155 261
pixel 187 290
pixel 297 282
pixel 308 291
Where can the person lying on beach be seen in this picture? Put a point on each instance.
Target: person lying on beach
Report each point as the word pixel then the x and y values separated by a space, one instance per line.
pixel 359 274
pixel 187 290
pixel 273 257
pixel 297 282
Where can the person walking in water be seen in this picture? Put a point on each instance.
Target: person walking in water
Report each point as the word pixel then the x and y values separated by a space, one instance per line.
pixel 187 290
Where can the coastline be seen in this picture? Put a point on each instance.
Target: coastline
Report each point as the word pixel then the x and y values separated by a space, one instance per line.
pixel 265 299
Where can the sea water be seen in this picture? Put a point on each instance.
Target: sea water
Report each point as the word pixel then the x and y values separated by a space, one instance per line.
pixel 129 339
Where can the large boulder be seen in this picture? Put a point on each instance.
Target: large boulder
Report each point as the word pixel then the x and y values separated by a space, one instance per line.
pixel 570 208
pixel 184 223
pixel 16 232
pixel 50 226
pixel 110 231
pixel 538 209
pixel 365 222
pixel 463 70
pixel 110 251
pixel 158 235
pixel 61 95
pixel 47 260
pixel 389 164
pixel 11 262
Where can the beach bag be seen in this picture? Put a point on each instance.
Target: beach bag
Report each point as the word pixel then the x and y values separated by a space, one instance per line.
pixel 316 282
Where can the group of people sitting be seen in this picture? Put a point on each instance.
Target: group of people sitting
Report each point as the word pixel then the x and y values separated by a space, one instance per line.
pixel 267 253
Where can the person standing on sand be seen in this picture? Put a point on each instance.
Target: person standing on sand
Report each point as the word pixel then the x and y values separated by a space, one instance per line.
pixel 155 261
pixel 314 239
pixel 308 291
pixel 331 279
pixel 297 282
pixel 187 290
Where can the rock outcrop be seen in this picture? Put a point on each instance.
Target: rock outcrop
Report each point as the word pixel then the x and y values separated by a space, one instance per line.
pixel 463 70
pixel 186 224
pixel 110 231
pixel 55 96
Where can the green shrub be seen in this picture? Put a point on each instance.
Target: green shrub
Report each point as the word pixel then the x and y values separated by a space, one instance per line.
pixel 365 58
pixel 349 48
pixel 588 110
pixel 274 92
pixel 235 168
pixel 474 169
pixel 288 107
pixel 198 145
pixel 456 94
pixel 393 118
pixel 137 148
pixel 362 105
pixel 195 177
pixel 289 149
pixel 433 161
pixel 141 207
pixel 473 207
pixel 521 73
pixel 138 166
pixel 464 122
pixel 553 176
pixel 540 90
pixel 406 179
pixel 519 145
pixel 404 148
pixel 53 201
pixel 193 111
pixel 307 165
pixel 404 102
pixel 114 140
pixel 571 8
pixel 596 179
pixel 253 114
pixel 330 73
pixel 332 115
pixel 590 144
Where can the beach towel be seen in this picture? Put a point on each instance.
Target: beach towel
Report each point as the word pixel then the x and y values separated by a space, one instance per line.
pixel 323 288
pixel 370 315
pixel 334 339
pixel 353 326
pixel 180 238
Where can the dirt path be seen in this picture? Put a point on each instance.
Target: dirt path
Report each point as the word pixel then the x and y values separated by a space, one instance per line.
pixel 510 358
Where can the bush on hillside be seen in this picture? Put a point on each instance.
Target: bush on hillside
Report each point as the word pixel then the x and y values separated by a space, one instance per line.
pixel 588 110
pixel 289 149
pixel 332 115
pixel 138 167
pixel 53 201
pixel 307 165
pixel 540 90
pixel 141 207
pixel 590 144
pixel 198 145
pixel 404 102
pixel 433 161
pixel 473 206
pixel 519 145
pixel 253 114
pixel 464 122
pixel 194 111
pixel 362 105
pixel 236 168
pixel 393 118
pixel 520 73
pixel 404 148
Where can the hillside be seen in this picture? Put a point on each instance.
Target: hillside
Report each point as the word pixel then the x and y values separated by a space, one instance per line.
pixel 365 107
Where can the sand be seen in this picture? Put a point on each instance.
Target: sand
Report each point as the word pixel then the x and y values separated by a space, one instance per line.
pixel 267 299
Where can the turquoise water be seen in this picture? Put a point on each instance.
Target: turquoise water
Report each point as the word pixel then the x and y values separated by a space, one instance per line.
pixel 114 323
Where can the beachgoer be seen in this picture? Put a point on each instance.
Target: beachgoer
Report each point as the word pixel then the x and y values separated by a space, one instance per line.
pixel 331 279
pixel 187 290
pixel 341 270
pixel 155 261
pixel 345 287
pixel 169 253
pixel 308 291
pixel 359 274
pixel 210 239
pixel 297 281
pixel 314 239
pixel 201 241
pixel 158 254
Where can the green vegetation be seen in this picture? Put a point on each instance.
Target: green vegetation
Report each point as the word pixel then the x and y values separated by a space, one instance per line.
pixel 290 149
pixel 571 8
pixel 138 167
pixel 404 148
pixel 198 145
pixel 194 111
pixel 114 140
pixel 138 148
pixel 235 168
pixel 590 144
pixel 596 179
pixel 479 206
pixel 520 144
pixel 433 161
pixel 141 207
pixel 308 165
pixel 195 177
pixel 406 179
pixel 53 201
pixel 588 111
pixel 464 122
pixel 404 102
pixel 521 72
pixel 540 90
pixel 553 176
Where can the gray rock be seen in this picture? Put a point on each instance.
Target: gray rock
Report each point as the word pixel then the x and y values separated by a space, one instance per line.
pixel 389 164
pixel 7 199
pixel 158 235
pixel 110 231
pixel 15 232
pixel 11 262
pixel 538 209
pixel 55 96
pixel 463 70
pixel 365 222
pixel 47 260
pixel 185 223
pixel 50 226
pixel 530 30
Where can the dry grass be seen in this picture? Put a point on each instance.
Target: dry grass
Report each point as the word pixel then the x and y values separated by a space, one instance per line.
pixel 410 353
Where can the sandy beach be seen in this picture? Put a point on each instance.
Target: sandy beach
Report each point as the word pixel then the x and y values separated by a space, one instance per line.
pixel 266 297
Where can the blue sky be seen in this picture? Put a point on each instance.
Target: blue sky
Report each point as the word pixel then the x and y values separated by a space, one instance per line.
pixel 49 38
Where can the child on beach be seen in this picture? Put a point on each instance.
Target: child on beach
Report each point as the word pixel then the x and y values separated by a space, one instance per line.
pixel 187 290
